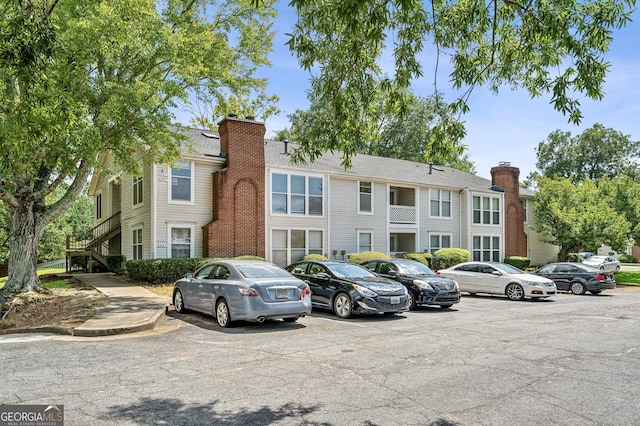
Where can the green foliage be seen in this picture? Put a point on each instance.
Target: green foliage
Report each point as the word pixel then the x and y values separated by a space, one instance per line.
pixel 627 277
pixel 365 256
pixel 114 262
pixel 595 153
pixel 159 271
pixel 250 257
pixel 448 257
pixel 573 257
pixel 627 258
pixel 425 258
pixel 518 261
pixel 578 215
pixel 314 256
pixel 549 48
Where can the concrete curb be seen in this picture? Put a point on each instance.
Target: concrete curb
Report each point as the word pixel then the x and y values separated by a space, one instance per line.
pixel 125 329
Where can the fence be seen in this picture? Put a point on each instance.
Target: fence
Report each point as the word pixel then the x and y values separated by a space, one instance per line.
pixel 53 264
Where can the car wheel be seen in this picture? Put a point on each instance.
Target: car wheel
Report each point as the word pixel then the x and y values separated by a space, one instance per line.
pixel 178 302
pixel 514 291
pixel 617 268
pixel 289 319
pixel 602 268
pixel 342 305
pixel 445 306
pixel 222 314
pixel 577 288
pixel 411 301
pixel 595 292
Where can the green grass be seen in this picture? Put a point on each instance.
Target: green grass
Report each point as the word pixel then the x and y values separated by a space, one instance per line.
pixel 628 277
pixel 57 284
pixel 3 280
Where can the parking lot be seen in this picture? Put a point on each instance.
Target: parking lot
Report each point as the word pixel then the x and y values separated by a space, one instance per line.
pixel 571 360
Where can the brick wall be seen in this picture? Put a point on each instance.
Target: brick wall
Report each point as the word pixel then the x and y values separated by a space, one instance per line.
pixel 239 227
pixel 507 177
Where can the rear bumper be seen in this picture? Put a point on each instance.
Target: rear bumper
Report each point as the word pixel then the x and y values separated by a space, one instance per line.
pixel 597 286
pixel 254 309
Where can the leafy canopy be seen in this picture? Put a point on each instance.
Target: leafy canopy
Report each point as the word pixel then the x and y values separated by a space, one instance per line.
pixel 550 48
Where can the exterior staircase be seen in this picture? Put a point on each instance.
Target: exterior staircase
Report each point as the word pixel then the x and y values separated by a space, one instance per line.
pixel 95 248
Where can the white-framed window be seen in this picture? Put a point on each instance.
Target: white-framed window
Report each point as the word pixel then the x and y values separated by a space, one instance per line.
pixel 296 194
pixel 365 241
pixel 137 190
pixel 440 203
pixel 365 197
pixel 180 240
pixel 99 206
pixel 291 245
pixel 524 210
pixel 137 244
pixel 439 241
pixel 486 248
pixel 486 210
pixel 182 183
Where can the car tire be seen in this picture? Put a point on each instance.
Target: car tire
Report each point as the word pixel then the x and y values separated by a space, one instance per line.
pixel 445 306
pixel 602 268
pixel 342 306
pixel 412 302
pixel 514 292
pixel 222 314
pixel 577 288
pixel 595 292
pixel 178 302
pixel 617 268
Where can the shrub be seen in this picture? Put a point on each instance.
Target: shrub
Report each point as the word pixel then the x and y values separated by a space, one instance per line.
pixel 425 258
pixel 627 258
pixel 157 271
pixel 448 257
pixel 314 256
pixel 574 257
pixel 518 261
pixel 114 262
pixel 366 255
pixel 250 257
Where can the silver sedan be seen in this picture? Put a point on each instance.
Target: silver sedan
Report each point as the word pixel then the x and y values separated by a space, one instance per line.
pixel 236 290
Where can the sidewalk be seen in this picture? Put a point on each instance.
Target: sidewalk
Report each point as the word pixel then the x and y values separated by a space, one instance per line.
pixel 131 308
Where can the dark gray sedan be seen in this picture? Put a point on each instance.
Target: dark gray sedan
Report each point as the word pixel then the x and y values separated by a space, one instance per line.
pixel 236 290
pixel 577 277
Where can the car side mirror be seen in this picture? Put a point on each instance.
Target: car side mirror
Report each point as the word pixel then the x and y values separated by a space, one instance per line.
pixel 324 276
pixel 391 272
pixel 188 276
pixel 496 273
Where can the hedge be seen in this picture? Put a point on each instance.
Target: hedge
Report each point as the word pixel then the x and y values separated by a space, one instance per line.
pixel 518 261
pixel 314 256
pixel 425 258
pixel 448 257
pixel 627 258
pixel 365 256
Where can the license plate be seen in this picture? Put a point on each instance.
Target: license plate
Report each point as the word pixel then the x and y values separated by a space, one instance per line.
pixel 282 293
pixel 395 300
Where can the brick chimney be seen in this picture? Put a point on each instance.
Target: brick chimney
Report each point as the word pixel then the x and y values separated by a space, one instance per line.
pixel 506 177
pixel 238 192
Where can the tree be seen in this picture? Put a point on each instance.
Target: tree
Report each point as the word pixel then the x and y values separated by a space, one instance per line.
pixel 576 216
pixel 83 77
pixel 415 136
pixel 595 153
pixel 553 48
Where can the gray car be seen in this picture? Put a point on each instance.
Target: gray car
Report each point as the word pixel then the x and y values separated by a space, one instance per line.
pixel 237 290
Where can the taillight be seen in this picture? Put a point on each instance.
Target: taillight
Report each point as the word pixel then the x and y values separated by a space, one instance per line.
pixel 306 291
pixel 249 292
pixel 600 277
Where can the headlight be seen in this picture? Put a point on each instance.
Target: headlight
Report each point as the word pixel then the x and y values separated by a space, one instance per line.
pixel 535 284
pixel 421 284
pixel 456 286
pixel 365 291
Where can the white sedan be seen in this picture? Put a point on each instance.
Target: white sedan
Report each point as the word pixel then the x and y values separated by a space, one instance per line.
pixel 499 278
pixel 604 263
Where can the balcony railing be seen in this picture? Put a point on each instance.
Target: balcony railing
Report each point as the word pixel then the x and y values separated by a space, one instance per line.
pixel 402 214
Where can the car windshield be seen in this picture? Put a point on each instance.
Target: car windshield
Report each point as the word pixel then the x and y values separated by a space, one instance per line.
pixel 262 271
pixel 414 268
pixel 348 270
pixel 595 259
pixel 507 268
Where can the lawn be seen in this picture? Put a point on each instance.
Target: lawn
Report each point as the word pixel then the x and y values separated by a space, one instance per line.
pixel 628 277
pixel 3 280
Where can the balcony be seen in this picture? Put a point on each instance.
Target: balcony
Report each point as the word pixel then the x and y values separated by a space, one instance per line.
pixel 402 214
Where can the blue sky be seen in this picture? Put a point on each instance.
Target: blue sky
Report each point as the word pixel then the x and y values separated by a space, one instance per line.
pixel 506 127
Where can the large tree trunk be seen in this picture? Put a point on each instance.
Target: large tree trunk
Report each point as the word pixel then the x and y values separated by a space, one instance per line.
pixel 26 230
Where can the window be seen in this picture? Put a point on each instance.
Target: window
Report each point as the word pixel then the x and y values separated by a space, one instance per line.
pixel 137 244
pixel 291 245
pixel 365 241
pixel 181 242
pixel 486 210
pixel 137 190
pixel 99 206
pixel 296 194
pixel 440 203
pixel 365 198
pixel 181 182
pixel 486 248
pixel 524 212
pixel 438 241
